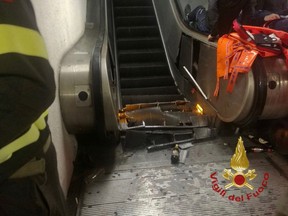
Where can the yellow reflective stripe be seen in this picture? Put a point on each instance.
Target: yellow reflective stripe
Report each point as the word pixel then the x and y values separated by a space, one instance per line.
pixel 40 122
pixel 16 39
pixel 31 136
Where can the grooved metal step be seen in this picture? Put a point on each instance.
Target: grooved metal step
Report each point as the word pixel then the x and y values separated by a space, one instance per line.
pixel 147 184
pixel 143 69
pixel 139 43
pixel 135 21
pixel 146 81
pixel 146 55
pixel 132 3
pixel 142 64
pixel 135 99
pixel 162 90
pixel 134 11
pixel 137 31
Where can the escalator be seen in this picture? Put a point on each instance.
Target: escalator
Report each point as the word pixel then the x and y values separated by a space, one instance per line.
pixel 143 69
pixel 151 104
pixel 156 110
pixel 130 82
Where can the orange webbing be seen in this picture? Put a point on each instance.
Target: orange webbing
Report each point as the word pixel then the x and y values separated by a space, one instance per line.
pixel 233 57
pixel 236 55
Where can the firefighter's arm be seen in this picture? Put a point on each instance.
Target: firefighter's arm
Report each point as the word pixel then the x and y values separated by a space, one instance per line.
pixel 23 98
pixel 26 77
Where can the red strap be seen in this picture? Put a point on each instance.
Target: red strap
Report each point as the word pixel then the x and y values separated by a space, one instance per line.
pixel 233 57
pixel 232 81
pixel 262 30
pixel 241 63
pixel 246 32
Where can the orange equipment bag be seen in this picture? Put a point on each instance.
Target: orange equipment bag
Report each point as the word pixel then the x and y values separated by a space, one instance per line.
pixel 233 57
pixel 236 52
pixel 282 35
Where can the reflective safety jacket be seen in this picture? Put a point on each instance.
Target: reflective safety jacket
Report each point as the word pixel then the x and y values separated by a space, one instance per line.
pixel 27 86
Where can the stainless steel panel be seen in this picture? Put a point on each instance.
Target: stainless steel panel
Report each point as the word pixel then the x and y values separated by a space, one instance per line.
pixel 75 86
pixel 276 105
pixel 232 107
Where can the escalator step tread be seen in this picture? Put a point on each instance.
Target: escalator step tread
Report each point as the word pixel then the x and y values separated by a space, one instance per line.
pixel 137 31
pixel 140 51
pixel 143 69
pixel 163 90
pixel 139 43
pixel 150 81
pixel 133 11
pixel 133 3
pixel 143 55
pixel 149 99
pixel 143 65
pixel 139 39
pixel 135 21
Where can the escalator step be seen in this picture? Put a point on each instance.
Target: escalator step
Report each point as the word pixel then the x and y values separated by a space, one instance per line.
pixel 141 82
pixel 134 11
pixel 137 31
pixel 144 69
pixel 132 3
pixel 147 55
pixel 135 21
pixel 149 99
pixel 165 90
pixel 139 43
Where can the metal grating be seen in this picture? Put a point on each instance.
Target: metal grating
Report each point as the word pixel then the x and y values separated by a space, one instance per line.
pixel 146 184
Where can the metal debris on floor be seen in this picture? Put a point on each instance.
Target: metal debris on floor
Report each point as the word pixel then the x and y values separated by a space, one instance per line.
pixel 147 184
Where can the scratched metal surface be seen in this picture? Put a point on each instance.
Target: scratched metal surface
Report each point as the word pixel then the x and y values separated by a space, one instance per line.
pixel 144 184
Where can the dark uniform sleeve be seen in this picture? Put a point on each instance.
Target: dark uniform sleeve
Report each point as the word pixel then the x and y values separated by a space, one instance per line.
pixel 27 86
pixel 248 12
pixel 284 10
pixel 259 5
pixel 213 15
pixel 29 181
pixel 227 11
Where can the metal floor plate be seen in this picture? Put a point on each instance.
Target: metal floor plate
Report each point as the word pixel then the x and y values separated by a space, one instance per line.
pixel 147 184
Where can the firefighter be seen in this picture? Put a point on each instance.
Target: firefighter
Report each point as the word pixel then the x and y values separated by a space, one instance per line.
pixel 29 182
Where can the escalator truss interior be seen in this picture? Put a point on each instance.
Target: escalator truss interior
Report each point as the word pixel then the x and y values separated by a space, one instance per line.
pixel 150 97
